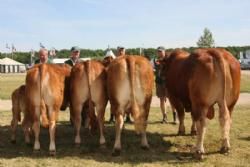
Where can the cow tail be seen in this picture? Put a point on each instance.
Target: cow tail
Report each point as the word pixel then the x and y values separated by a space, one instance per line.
pixel 222 67
pixel 134 106
pixel 43 111
pixel 91 112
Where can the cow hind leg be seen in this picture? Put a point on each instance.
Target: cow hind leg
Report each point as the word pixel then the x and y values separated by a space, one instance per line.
pixel 52 129
pixel 144 141
pixel 77 123
pixel 101 112
pixel 26 125
pixel 193 127
pixel 181 116
pixel 118 127
pixel 14 123
pixel 201 129
pixel 225 123
pixel 36 129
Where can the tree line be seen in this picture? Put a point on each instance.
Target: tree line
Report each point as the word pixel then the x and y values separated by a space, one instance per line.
pixel 24 57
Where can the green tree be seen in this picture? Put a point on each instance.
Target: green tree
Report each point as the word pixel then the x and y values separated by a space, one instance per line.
pixel 206 40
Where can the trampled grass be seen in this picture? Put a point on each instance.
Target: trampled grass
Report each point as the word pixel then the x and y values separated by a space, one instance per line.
pixel 166 149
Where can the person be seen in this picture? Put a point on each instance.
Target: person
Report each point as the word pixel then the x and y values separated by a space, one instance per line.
pixel 161 91
pixel 109 56
pixel 43 57
pixel 74 56
pixel 121 51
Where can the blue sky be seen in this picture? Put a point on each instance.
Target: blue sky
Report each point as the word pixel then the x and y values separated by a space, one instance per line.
pixel 132 23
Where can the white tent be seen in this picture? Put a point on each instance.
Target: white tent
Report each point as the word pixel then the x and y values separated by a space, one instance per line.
pixel 8 65
pixel 62 60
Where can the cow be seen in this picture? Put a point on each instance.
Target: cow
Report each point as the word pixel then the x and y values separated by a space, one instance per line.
pixel 46 86
pixel 88 86
pixel 130 82
pixel 18 107
pixel 197 82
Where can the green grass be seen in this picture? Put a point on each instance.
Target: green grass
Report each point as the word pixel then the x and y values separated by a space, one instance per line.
pixel 9 82
pixel 245 83
pixel 166 149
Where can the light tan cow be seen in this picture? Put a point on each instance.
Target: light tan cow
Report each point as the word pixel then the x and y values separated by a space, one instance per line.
pixel 88 85
pixel 45 83
pixel 18 107
pixel 198 81
pixel 130 83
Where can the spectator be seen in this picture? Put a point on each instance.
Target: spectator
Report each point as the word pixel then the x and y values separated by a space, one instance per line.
pixel 43 57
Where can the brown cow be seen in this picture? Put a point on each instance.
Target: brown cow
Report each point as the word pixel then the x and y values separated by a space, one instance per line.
pixel 197 82
pixel 18 106
pixel 88 84
pixel 45 85
pixel 130 83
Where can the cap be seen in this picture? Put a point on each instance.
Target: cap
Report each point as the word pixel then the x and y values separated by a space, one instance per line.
pixel 109 53
pixel 75 48
pixel 120 47
pixel 160 48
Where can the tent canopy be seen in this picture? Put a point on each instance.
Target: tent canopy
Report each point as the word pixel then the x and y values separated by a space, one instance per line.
pixel 8 61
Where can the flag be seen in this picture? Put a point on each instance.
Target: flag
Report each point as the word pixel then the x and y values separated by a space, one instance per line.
pixel 13 49
pixel 41 45
pixel 7 46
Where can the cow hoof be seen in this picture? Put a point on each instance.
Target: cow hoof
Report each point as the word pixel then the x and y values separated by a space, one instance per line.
pixel 193 133
pixel 181 133
pixel 145 147
pixel 224 150
pixel 116 152
pixel 198 155
pixel 52 153
pixel 13 141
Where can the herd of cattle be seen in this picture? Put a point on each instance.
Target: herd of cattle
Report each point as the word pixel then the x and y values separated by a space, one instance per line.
pixel 195 82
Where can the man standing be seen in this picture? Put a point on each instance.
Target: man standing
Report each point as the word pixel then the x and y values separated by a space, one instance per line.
pixel 161 91
pixel 43 57
pixel 121 51
pixel 74 56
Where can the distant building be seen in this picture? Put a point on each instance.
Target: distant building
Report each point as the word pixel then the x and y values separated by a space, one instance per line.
pixel 62 60
pixel 245 59
pixel 8 65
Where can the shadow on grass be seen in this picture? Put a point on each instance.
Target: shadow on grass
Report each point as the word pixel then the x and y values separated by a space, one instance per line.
pixel 160 149
pixel 245 138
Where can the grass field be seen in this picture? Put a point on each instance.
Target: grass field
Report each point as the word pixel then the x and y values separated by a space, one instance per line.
pixel 9 82
pixel 166 149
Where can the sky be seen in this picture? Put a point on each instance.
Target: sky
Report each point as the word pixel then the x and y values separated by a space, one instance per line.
pixel 97 24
